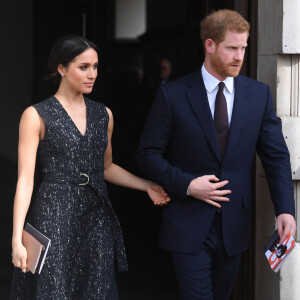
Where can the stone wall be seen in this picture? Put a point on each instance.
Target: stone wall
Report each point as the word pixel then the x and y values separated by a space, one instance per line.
pixel 278 66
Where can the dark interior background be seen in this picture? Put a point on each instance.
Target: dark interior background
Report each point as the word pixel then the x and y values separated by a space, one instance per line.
pixel 127 84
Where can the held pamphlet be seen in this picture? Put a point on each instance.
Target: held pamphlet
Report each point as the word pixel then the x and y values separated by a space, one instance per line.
pixel 37 246
pixel 276 253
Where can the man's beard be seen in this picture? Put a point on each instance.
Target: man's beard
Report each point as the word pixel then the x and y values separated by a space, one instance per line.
pixel 225 69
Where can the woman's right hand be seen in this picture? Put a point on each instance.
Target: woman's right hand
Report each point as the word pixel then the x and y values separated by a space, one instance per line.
pixel 19 257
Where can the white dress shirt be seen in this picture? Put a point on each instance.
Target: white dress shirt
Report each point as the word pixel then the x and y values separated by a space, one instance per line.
pixel 211 85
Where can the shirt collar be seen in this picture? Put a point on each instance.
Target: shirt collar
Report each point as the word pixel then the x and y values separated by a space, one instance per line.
pixel 212 82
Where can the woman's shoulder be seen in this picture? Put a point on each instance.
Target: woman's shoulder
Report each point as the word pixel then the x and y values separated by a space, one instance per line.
pixel 94 103
pixel 46 108
pixel 98 106
pixel 44 103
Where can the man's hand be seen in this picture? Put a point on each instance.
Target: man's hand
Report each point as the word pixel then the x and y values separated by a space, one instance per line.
pixel 203 189
pixel 285 224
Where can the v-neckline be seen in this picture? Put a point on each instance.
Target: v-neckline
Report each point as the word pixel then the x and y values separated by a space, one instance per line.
pixel 69 117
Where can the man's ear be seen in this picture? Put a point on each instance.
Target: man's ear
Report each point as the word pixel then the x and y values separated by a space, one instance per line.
pixel 210 46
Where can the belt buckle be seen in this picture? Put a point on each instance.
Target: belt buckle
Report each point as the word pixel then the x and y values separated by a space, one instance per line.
pixel 86 176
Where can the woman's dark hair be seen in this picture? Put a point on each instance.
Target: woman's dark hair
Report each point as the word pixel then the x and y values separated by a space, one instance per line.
pixel 64 51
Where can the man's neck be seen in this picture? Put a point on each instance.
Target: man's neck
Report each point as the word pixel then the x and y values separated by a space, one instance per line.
pixel 208 67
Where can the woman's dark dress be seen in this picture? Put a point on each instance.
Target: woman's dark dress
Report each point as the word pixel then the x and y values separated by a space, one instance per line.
pixel 84 231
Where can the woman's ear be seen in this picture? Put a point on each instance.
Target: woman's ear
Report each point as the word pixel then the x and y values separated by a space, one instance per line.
pixel 61 70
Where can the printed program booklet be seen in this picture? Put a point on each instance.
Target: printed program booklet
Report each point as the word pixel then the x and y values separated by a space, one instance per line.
pixel 276 253
pixel 37 246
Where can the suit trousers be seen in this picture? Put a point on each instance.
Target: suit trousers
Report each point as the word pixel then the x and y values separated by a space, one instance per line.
pixel 209 274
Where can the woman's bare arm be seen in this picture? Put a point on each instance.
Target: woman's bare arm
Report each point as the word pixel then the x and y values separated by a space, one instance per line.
pixel 117 175
pixel 29 136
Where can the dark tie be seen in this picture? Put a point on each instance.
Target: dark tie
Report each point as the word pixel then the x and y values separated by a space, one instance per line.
pixel 221 118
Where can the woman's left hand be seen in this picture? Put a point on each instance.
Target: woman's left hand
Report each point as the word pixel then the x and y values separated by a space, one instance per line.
pixel 157 194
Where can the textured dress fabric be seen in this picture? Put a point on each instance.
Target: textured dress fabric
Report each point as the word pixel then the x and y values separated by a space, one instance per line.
pixel 71 208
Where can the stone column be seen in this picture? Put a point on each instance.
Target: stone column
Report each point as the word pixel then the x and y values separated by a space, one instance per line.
pixel 279 67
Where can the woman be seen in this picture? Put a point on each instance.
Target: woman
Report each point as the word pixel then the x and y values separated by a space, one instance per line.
pixel 72 137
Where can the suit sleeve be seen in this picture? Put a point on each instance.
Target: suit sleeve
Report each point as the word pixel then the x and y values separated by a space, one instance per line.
pixel 151 154
pixel 273 152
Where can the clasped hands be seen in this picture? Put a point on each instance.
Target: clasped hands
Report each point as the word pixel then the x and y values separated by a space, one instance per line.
pixel 157 194
pixel 207 189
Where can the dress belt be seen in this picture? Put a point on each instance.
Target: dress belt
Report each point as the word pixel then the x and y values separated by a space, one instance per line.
pixel 79 178
pixel 96 182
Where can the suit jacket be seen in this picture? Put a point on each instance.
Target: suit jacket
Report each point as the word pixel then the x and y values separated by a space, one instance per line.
pixel 179 143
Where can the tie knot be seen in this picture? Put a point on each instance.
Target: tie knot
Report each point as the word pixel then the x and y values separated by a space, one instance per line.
pixel 221 86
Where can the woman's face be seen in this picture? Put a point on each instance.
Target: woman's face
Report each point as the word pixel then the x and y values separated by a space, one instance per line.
pixel 81 73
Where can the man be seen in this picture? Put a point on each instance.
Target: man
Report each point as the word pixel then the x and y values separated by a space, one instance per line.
pixel 165 71
pixel 199 142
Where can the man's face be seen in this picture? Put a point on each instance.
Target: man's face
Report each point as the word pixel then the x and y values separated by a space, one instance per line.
pixel 165 69
pixel 227 57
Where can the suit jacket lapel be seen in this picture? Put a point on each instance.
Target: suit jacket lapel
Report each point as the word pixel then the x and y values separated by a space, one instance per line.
pixel 239 114
pixel 198 98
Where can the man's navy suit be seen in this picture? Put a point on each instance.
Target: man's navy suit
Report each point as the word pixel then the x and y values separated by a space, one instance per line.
pixel 179 143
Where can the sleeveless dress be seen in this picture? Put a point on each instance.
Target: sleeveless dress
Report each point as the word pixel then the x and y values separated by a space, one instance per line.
pixel 71 208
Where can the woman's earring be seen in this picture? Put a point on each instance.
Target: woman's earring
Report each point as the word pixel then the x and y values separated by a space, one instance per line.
pixel 62 75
